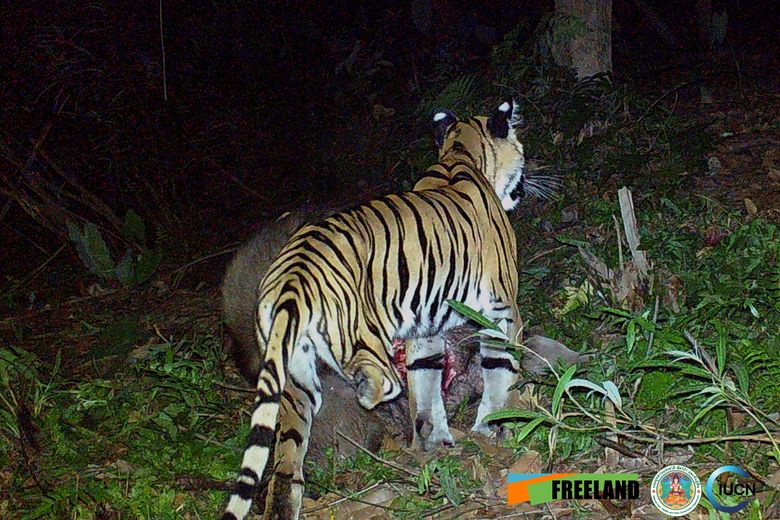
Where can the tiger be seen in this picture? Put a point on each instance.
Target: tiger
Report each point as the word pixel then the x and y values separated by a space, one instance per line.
pixel 343 290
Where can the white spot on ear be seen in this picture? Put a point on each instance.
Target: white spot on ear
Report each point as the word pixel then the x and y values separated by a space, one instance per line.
pixel 438 116
pixel 504 107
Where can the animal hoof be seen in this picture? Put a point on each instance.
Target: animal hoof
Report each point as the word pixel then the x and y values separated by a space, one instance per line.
pixel 438 440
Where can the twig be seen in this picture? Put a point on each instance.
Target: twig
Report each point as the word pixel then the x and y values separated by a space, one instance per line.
pixel 352 498
pixel 619 241
pixel 179 272
pixel 6 207
pixel 665 95
pixel 162 48
pixel 201 259
pixel 38 269
pixel 376 457
pixel 758 437
pixel 342 499
pixel 619 448
pixel 546 252
pixel 236 388
pixel 632 234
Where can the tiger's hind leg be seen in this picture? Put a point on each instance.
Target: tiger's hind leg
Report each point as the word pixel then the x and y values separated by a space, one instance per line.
pixel 499 367
pixel 424 366
pixel 300 402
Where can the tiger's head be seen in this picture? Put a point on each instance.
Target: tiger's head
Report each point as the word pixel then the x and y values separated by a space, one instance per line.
pixel 491 143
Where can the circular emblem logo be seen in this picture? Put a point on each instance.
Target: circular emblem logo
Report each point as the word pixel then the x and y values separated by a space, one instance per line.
pixel 676 490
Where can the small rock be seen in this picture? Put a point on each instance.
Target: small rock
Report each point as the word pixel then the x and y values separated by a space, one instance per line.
pixel 714 166
pixel 550 350
pixel 750 207
pixel 570 215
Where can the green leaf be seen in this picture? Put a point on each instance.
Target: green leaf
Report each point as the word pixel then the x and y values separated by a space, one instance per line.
pixel 449 486
pixel 473 315
pixel 631 335
pixel 572 241
pixel 680 355
pixel 497 334
pixel 710 403
pixel 720 347
pixel 613 394
pixel 528 428
pixel 133 228
pixel 616 312
pixel 146 264
pixel 99 256
pixel 124 270
pixel 91 249
pixel 694 371
pixel 512 414
pixel 560 387
pixel 584 383
pixel 742 378
pixel 74 231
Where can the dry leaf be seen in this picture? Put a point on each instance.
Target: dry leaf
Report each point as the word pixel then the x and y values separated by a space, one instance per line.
pixel 750 207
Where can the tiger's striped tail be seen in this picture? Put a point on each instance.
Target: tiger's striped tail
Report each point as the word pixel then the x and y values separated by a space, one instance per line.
pixel 284 334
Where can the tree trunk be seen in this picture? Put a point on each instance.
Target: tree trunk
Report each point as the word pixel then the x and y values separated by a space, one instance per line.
pixel 582 36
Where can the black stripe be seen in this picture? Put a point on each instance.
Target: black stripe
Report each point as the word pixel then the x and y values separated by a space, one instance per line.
pixel 291 435
pixel 435 362
pixel 435 174
pixel 461 177
pixel 403 271
pixel 249 472
pixel 265 398
pixel 292 404
pixel 303 389
pixel 261 436
pixel 244 490
pixel 421 236
pixel 491 363
pixel 228 516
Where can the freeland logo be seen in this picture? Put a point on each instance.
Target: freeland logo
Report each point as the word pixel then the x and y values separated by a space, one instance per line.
pixel 539 488
pixel 594 489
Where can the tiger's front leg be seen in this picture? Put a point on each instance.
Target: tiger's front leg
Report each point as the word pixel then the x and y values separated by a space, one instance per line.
pixel 301 400
pixel 424 366
pixel 499 367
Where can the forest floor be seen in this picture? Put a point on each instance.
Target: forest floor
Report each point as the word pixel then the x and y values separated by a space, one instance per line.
pixel 117 403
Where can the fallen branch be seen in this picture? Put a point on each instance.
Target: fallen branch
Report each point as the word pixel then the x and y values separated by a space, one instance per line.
pixel 376 457
pixel 632 232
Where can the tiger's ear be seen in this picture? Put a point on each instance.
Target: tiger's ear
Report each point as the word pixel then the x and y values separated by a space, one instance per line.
pixel 506 116
pixel 442 120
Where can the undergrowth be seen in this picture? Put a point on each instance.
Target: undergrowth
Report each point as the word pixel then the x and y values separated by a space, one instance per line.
pixel 127 445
